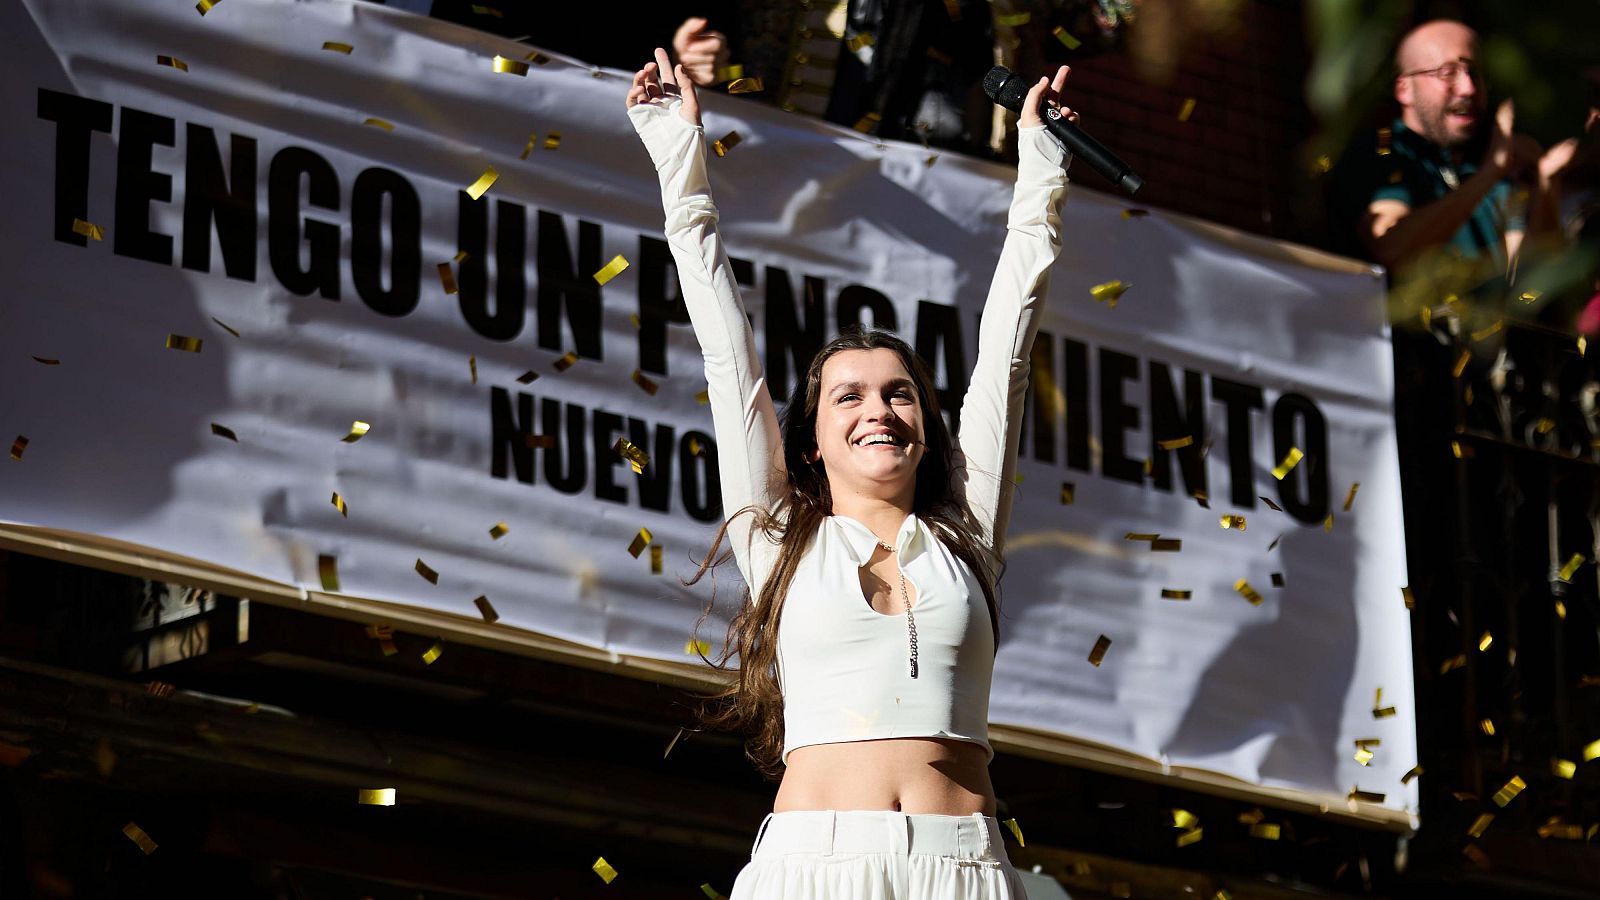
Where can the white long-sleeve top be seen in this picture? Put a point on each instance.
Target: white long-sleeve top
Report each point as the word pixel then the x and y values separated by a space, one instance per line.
pixel 842 665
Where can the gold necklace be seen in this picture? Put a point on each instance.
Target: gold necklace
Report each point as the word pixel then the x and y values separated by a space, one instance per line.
pixel 905 598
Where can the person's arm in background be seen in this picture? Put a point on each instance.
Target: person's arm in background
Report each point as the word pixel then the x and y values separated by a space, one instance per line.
pixel 701 51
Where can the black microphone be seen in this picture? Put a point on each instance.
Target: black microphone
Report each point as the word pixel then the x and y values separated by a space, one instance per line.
pixel 1008 89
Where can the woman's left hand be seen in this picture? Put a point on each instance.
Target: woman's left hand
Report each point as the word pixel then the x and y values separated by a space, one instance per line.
pixel 1046 91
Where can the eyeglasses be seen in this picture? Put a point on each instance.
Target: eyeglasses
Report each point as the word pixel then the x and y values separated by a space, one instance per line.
pixel 1450 71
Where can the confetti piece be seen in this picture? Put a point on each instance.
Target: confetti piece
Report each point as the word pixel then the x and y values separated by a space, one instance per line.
pixel 640 541
pixel 1187 110
pixel 867 123
pixel 205 6
pixel 1140 536
pixel 1351 497
pixel 339 504
pixel 711 892
pixel 1480 825
pixel 533 139
pixel 728 73
pixel 1183 819
pixel 1487 727
pixel 864 39
pixel 1176 443
pixel 695 447
pixel 376 122
pixel 427 574
pixel 173 62
pixel 487 11
pixel 1510 790
pixel 1382 712
pixel 1234 522
pixel 1191 836
pixel 1411 774
pixel 528 377
pixel 1277 579
pixel 1475 853
pixel 727 142
pixel 1454 662
pixel 746 86
pixel 1571 568
pixel 1561 610
pixel 696 647
pixel 223 431
pixel 1327 524
pixel 1166 545
pixel 1135 212
pixel 1109 293
pixel 1274 543
pixel 552 141
pixel 1554 827
pixel 380 632
pixel 447 279
pixel 358 430
pixel 139 838
pixel 338 47
pixel 485 608
pixel 88 229
pixel 1591 751
pixel 328 571
pixel 1270 505
pixel 657 559
pixel 224 326
pixel 388 648
pixel 1175 594
pixel 1529 296
pixel 472 366
pixel 672 743
pixel 1251 817
pixel 1409 599
pixel 1066 38
pixel 1485 641
pixel 1101 645
pixel 484 182
pixel 432 654
pixel 1248 592
pixel 1363 755
pixel 1482 333
pixel 45 360
pixel 703 397
pixel 184 343
pixel 375 796
pixel 506 66
pixel 1290 460
pixel 1068 492
pixel 540 441
pixel 1324 164
pixel 644 383
pixel 604 870
pixel 611 269
pixel 1016 831
pixel 1267 831
pixel 1012 20
pixel 499 530
pixel 1361 796
pixel 636 458
pixel 159 689
pixel 1563 768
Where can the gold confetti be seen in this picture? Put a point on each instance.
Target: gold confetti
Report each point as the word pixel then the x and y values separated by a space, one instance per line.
pixel 432 654
pixel 1109 292
pixel 224 326
pixel 1175 594
pixel 528 377
pixel 657 559
pixel 1066 38
pixel 1361 796
pixel 376 122
pixel 1182 818
pixel 375 796
pixel 1461 363
pixel 139 838
pixel 204 6
pixel 1140 536
pixel 1270 505
pixel 533 139
pixel 1409 598
pixel 1480 825
pixel 338 47
pixel 1012 20
pixel 224 431
pixel 1267 831
pixel 1351 497
pixel 45 360
pixel 636 457
pixel 1591 751
pixel 672 743
pixel 427 574
pixel 1363 755
pixel 1411 774
pixel 328 571
pixel 472 366
pixel 746 86
pixel 611 269
pixel 487 11
pixel 1176 443
pixel 1554 827
pixel 711 892
pixel 864 39
pixel 1382 712
pixel 1234 522
pixel 358 430
pixel 506 66
pixel 1327 524
pixel 540 441
pixel 695 447
pixel 727 73
pixel 695 647
pixel 339 504
pixel 1134 212
pixel 388 648
pixel 487 179
pixel 1166 545
pixel 1324 164
pixel 485 608
pixel 1274 543
pixel 552 141
pixel 1571 568
pixel 184 343
pixel 1476 854
pixel 499 530
pixel 1563 768
pixel 1485 641
pixel 1187 110
pixel 1482 333
pixel 1530 296
pixel 640 541
pixel 1068 493
pixel 380 632
pixel 727 142
pixel 644 383
pixel 1101 645
pixel 1277 579
pixel 173 62
pixel 1454 662
pixel 1561 610
pixel 88 229
pixel 1248 592
pixel 1016 831
pixel 1510 790
pixel 1487 727
pixel 447 279
pixel 1290 460
pixel 604 870
pixel 703 397
pixel 867 123
pixel 1191 836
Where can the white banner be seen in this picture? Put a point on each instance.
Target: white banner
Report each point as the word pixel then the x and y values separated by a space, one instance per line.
pixel 278 185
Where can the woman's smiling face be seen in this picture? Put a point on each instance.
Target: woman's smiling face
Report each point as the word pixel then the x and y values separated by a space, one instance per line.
pixel 869 424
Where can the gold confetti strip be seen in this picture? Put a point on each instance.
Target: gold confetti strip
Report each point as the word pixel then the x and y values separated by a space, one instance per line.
pixel 1323 164
pixel 611 269
pixel 339 504
pixel 695 447
pixel 499 530
pixel 432 654
pixel 1012 20
pixel 1561 610
pixel 1233 522
pixel 1409 598
pixel 1134 212
pixel 1454 662
pixel 636 458
pixel 485 608
pixel 1166 545
pixel 1248 592
pixel 695 647
pixel 533 139
pixel 1554 827
pixel 711 892
pixel 1176 443
pixel 604 870
pixel 1175 594
pixel 864 39
pixel 487 11
pixel 1101 645
pixel 1016 831
pixel 1476 854
pixel 1065 37
pixel 1363 755
pixel 1187 110
pixel 537 58
pixel 224 326
pixel 447 279
pixel 1351 497
pixel 1251 817
pixel 1361 796
pixel 1563 768
pixel 375 796
pixel 1274 543
pixel 88 229
pixel 184 343
pixel 388 648
pixel 1485 641
pixel 484 182
pixel 358 430
pixel 727 142
pixel 1183 819
pixel 338 47
pixel 1382 712
pixel 1327 524
pixel 672 743
pixel 1109 292
pixel 380 632
pixel 1530 296
pixel 644 383
pixel 1510 790
pixel 1486 332
pixel 552 141
pixel 173 62
pixel 640 541
pixel 1270 505
pixel 1140 536
pixel 1290 460
pixel 506 66
pixel 45 360
pixel 1461 363
pixel 1480 825
pixel 540 441
pixel 528 377
pixel 1411 774
pixel 728 73
pixel 746 86
pixel 1277 579
pixel 657 559
pixel 204 6
pixel 703 397
pixel 223 431
pixel 328 571
pixel 1191 836
pixel 159 689
pixel 139 838
pixel 1267 831
pixel 1069 492
pixel 472 366
pixel 1487 727
pixel 427 574
pixel 1591 751
pixel 376 122
pixel 1571 568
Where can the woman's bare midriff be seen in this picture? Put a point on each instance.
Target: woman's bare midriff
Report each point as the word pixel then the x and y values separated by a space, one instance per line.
pixel 909 775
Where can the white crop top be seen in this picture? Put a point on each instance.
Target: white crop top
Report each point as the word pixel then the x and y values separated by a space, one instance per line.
pixel 843 666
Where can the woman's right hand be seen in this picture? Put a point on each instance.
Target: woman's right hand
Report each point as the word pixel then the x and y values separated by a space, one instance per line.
pixel 660 83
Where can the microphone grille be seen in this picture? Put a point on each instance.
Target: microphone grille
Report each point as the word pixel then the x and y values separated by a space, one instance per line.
pixel 1004 87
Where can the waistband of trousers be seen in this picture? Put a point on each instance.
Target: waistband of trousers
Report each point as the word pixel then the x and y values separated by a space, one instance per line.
pixel 829 832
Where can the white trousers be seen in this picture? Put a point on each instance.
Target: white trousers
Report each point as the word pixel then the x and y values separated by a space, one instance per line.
pixel 873 855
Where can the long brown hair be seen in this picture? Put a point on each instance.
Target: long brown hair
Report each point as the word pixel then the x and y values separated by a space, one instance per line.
pixel 752 700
